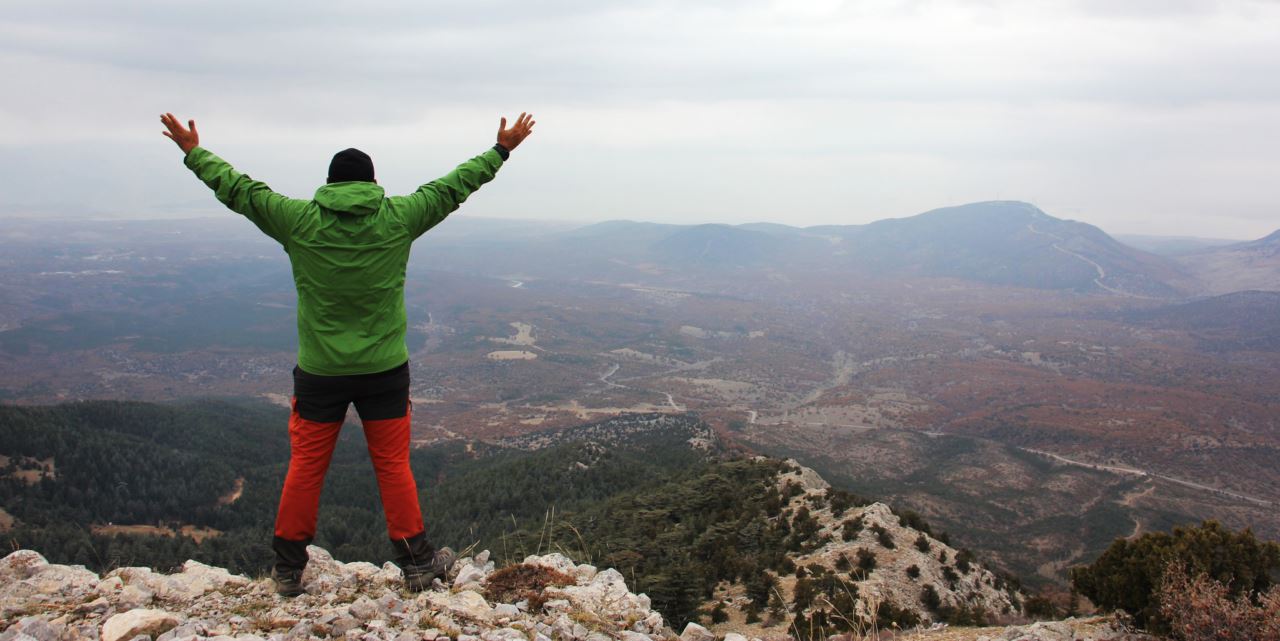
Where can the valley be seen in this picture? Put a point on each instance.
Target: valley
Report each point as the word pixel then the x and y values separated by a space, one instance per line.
pixel 1029 384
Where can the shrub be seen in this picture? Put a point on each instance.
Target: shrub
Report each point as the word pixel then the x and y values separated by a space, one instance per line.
pixel 950 575
pixel 866 561
pixel 851 528
pixel 883 536
pixel 913 571
pixel 1129 573
pixel 842 563
pixel 842 500
pixel 718 615
pixel 929 597
pixel 963 558
pixel 1202 609
pixel 1040 609
pixel 922 543
pixel 912 519
pixel 803 597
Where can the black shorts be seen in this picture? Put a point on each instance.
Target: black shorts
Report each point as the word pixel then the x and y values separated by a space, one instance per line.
pixel 377 396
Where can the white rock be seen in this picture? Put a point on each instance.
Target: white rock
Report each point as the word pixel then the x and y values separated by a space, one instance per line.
pixel 469 577
pixel 506 610
pixel 33 628
pixel 556 561
pixel 695 632
pixel 390 574
pixel 364 608
pixel 584 573
pixel 734 636
pixel 466 604
pixel 67 580
pixel 628 635
pixel 200 579
pixel 653 621
pixel 503 634
pixel 133 596
pixel 605 596
pixel 21 564
pixel 128 625
pixel 109 585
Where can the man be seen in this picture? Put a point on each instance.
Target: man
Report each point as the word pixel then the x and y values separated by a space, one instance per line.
pixel 348 248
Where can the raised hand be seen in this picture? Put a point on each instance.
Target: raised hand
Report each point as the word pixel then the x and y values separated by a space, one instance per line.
pixel 511 138
pixel 186 139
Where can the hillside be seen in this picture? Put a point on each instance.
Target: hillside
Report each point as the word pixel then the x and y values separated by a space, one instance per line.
pixel 655 496
pixel 1238 267
pixel 1239 321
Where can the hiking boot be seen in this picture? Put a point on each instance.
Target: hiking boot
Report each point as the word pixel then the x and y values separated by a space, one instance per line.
pixel 288 582
pixel 291 558
pixel 418 576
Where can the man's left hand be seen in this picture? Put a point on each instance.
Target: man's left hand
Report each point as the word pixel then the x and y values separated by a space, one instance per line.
pixel 186 139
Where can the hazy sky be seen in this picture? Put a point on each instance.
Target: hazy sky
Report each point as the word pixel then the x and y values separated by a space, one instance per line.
pixel 1140 116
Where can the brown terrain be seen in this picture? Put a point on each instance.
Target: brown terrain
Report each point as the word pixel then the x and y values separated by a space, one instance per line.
pixel 1033 423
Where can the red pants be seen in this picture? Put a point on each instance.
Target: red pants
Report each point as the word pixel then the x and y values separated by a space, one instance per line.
pixel 311 444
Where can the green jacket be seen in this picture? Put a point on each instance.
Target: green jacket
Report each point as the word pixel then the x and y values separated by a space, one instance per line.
pixel 348 247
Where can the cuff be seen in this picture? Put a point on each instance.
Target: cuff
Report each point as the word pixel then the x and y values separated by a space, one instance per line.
pixel 502 151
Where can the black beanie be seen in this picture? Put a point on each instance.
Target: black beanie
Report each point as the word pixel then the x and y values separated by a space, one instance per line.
pixel 349 165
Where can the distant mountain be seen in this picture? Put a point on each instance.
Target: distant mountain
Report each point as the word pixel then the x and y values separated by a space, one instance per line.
pixel 1252 265
pixel 1001 242
pixel 1171 245
pixel 1010 243
pixel 718 246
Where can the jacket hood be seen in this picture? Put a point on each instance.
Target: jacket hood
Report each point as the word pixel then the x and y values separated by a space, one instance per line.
pixel 357 197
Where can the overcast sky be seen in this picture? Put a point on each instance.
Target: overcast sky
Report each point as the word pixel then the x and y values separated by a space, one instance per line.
pixel 1139 116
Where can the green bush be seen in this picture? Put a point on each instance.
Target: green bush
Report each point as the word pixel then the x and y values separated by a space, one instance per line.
pixel 1129 573
pixel 922 543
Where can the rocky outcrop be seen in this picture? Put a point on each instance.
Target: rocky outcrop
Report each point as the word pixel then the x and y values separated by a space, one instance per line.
pixel 1096 629
pixel 353 601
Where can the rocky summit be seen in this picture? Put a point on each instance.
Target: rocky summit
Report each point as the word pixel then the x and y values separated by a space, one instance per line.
pixel 545 598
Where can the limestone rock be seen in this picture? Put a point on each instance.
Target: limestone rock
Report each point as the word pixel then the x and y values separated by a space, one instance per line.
pixel 128 625
pixel 695 632
pixel 466 604
pixel 469 577
pixel 33 628
pixel 21 564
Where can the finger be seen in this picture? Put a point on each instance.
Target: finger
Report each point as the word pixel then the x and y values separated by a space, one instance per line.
pixel 167 135
pixel 502 126
pixel 192 125
pixel 524 117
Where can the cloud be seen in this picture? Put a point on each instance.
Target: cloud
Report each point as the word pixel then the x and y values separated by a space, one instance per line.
pixel 728 110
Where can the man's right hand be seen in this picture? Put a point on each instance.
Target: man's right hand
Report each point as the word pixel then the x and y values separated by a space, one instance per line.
pixel 186 139
pixel 511 138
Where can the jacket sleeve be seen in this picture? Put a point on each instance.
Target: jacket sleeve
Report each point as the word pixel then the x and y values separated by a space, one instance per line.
pixel 426 207
pixel 274 214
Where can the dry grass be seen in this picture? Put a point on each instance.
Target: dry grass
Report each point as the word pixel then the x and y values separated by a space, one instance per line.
pixel 1202 609
pixel 524 582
